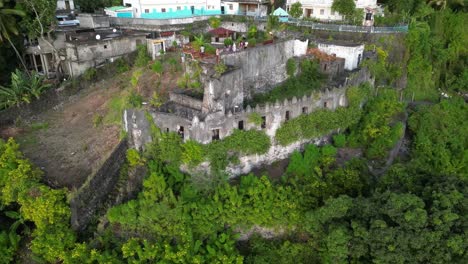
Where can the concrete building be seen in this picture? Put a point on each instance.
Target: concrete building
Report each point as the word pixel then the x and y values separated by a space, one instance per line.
pixel 352 53
pixel 245 7
pixel 167 9
pixel 92 48
pixel 71 51
pixel 321 9
pixel 159 42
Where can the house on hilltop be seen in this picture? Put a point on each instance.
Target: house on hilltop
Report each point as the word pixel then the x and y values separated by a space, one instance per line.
pixel 257 8
pixel 322 9
pixel 170 9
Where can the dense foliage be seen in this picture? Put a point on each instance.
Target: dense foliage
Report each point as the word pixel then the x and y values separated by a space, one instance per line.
pixel 381 126
pixel 323 121
pixel 23 89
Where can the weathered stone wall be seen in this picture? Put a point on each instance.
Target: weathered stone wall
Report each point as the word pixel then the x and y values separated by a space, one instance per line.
pixel 185 100
pixel 201 130
pixel 94 20
pixel 88 199
pixel 264 66
pixel 224 93
pixel 82 56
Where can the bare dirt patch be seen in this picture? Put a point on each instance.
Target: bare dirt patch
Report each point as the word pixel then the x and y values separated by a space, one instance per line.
pixel 68 147
pixel 71 142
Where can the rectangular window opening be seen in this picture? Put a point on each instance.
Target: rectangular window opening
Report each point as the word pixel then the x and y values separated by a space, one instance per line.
pixel 215 135
pixel 181 132
pixel 263 122
pixel 163 10
pixel 241 125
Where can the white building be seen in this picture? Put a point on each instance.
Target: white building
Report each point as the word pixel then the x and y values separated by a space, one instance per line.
pixel 353 54
pixel 167 9
pixel 245 7
pixel 65 5
pixel 321 9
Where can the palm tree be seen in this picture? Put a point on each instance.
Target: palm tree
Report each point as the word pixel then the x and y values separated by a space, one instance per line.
pixel 8 27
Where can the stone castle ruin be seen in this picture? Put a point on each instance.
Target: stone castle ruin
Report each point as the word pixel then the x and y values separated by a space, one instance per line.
pixel 221 109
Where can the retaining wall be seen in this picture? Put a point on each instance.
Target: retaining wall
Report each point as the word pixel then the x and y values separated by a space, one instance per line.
pixel 94 193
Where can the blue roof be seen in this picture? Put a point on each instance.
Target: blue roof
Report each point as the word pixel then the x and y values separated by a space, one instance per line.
pixel 280 12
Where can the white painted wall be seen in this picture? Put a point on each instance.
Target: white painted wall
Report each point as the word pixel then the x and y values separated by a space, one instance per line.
pixel 350 54
pixel 231 8
pixel 62 6
pixel 300 47
pixel 139 6
pixel 321 9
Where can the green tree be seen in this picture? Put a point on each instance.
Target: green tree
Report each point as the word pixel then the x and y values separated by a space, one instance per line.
pixel 8 26
pixel 345 7
pixel 296 10
pixel 214 22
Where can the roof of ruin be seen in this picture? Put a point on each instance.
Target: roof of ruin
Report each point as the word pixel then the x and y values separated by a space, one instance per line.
pixel 322 56
pixel 221 31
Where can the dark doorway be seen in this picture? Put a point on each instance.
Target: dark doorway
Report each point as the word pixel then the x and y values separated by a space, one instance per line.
pixel 325 104
pixel 222 10
pixel 192 8
pixel 263 122
pixel 181 132
pixel 368 16
pixel 359 59
pixel 215 135
pixel 287 116
pixel 241 125
pixel 305 110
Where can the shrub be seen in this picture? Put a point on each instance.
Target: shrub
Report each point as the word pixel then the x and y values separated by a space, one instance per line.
pixel 192 153
pixel 220 68
pixel 157 67
pixel 252 42
pixel 318 123
pixel 291 67
pixel 142 59
pixel 97 120
pixel 134 159
pixel 136 77
pixel 228 42
pixel 23 89
pixel 155 100
pixel 90 74
pixel 252 32
pixel 135 99
pixel 214 22
pixel 241 142
pixel 339 140
pixel 255 118
pixel 122 65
